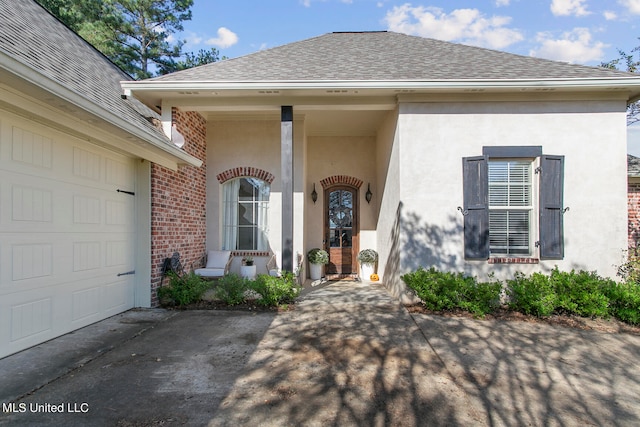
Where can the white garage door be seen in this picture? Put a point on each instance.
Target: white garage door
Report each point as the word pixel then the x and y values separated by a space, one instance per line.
pixel 67 233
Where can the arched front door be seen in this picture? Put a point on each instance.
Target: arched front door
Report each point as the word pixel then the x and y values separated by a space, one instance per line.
pixel 341 230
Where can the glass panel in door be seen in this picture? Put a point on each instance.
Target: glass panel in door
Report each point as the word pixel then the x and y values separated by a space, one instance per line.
pixel 340 230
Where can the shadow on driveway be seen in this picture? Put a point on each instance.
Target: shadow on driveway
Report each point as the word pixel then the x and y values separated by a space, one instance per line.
pixel 349 354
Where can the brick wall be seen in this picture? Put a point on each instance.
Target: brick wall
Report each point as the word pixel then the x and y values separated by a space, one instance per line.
pixel 633 195
pixel 178 203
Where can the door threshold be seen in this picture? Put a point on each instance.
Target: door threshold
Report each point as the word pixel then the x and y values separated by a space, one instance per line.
pixel 348 277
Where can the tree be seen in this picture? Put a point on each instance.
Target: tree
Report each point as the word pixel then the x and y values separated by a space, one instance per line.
pixel 134 34
pixel 65 11
pixel 192 60
pixel 628 63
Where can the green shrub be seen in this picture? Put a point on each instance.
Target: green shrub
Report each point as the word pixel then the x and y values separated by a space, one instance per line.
pixel 437 290
pixel 182 290
pixel 531 295
pixel 624 301
pixel 581 293
pixel 275 290
pixel 231 289
pixel 481 298
pixel 443 291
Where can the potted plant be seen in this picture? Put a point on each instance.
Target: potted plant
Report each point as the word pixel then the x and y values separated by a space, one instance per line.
pixel 317 258
pixel 248 268
pixel 367 259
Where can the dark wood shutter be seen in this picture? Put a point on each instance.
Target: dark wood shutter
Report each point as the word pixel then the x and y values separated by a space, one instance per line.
pixel 551 201
pixel 476 207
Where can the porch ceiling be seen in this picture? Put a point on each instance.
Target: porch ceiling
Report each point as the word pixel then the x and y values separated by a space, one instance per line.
pixel 316 122
pixel 332 112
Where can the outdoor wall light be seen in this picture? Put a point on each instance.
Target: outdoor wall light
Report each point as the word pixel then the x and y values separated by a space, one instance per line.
pixel 314 195
pixel 368 194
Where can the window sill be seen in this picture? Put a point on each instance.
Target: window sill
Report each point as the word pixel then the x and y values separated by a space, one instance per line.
pixel 507 260
pixel 249 253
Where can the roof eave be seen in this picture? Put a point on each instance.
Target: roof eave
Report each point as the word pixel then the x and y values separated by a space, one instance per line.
pixel 44 83
pixel 627 83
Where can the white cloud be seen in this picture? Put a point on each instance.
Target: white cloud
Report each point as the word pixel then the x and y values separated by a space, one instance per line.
pixel 610 15
pixel 569 7
pixel 226 38
pixel 575 46
pixel 632 5
pixel 192 38
pixel 467 26
pixel 503 3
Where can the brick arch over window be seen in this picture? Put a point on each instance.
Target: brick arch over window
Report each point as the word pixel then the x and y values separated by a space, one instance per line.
pixel 242 171
pixel 341 179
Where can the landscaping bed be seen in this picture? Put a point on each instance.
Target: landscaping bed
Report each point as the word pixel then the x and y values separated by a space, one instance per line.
pixel 231 292
pixel 578 299
pixel 563 320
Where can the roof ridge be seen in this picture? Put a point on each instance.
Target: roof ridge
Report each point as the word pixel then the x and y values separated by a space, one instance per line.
pixel 386 56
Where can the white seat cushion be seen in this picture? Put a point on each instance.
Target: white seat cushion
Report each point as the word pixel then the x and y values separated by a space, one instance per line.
pixel 274 272
pixel 218 259
pixel 210 272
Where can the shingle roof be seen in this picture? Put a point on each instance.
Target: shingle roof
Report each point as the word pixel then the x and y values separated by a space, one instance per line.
pixel 384 56
pixel 633 166
pixel 33 37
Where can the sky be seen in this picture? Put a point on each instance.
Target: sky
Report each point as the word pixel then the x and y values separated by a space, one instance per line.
pixel 585 32
pixel 577 31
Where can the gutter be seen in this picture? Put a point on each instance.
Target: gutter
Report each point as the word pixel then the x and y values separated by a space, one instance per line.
pixel 627 83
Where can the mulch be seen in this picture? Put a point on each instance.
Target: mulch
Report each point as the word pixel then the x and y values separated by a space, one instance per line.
pixel 502 314
pixel 219 305
pixel 563 320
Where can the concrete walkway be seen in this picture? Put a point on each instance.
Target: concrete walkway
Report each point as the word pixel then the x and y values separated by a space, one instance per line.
pixel 349 354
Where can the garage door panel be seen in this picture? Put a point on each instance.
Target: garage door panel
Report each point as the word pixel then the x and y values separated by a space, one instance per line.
pixel 50 154
pixel 33 262
pixel 38 314
pixel 33 205
pixel 67 236
pixel 117 296
pixel 85 303
pixel 31 320
pixel 119 174
pixel 31 148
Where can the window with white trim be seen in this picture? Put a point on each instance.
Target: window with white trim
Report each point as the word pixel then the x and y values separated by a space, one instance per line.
pixel 510 207
pixel 513 204
pixel 245 212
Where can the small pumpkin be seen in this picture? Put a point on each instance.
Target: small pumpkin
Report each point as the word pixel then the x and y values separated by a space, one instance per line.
pixel 374 277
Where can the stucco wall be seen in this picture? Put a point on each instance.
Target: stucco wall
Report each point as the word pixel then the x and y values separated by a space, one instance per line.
pixel 255 143
pixel 388 166
pixel 353 156
pixel 178 215
pixel 434 137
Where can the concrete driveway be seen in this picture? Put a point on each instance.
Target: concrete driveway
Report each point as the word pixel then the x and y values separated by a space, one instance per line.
pixel 349 354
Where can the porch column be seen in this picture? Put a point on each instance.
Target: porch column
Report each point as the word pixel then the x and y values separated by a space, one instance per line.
pixel 286 170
